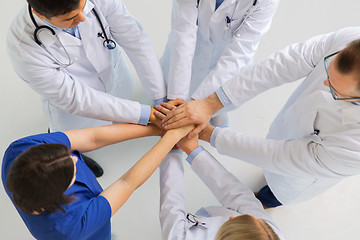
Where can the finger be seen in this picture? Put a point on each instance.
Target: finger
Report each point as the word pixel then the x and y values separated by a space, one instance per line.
pixel 159 115
pixel 176 102
pixel 196 131
pixel 167 106
pixel 172 113
pixel 162 109
pixel 175 118
pixel 180 123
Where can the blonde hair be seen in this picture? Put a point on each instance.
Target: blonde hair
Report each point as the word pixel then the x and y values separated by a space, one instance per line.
pixel 246 227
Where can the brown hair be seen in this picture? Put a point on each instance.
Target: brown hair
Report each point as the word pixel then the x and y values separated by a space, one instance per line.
pixel 246 227
pixel 38 178
pixel 348 60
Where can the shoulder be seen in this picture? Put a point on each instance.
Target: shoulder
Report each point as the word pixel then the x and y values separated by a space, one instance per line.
pixel 337 40
pixel 109 6
pixel 347 35
pixel 262 3
pixel 20 29
pixel 20 38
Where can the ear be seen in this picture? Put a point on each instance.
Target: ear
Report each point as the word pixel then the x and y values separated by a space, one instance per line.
pixel 39 15
pixel 326 83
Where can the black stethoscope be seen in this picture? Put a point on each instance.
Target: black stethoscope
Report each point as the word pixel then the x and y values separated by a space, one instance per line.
pixel 228 20
pixel 108 43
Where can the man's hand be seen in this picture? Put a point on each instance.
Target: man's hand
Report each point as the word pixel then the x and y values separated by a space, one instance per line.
pixel 205 134
pixel 188 145
pixel 196 112
pixel 165 108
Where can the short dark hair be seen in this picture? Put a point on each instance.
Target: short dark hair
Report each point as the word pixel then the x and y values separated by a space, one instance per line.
pixel 51 8
pixel 38 178
pixel 348 60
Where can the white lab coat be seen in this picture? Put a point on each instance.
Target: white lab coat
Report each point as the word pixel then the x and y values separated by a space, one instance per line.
pixel 235 198
pixel 201 53
pixel 92 91
pixel 299 164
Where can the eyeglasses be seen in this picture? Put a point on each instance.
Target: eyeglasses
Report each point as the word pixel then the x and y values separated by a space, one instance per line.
pixel 332 89
pixel 192 218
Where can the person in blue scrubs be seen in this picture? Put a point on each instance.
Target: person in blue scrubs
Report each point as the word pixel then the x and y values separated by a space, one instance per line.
pixel 58 196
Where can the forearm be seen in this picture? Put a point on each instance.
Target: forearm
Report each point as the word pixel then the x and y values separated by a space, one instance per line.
pixel 240 52
pixel 118 193
pixel 292 157
pixel 229 191
pixel 172 202
pixel 205 134
pixel 182 42
pixel 150 161
pixel 213 102
pixel 94 138
pixel 133 39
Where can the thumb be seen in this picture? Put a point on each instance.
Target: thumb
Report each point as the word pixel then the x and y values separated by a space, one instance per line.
pixel 195 131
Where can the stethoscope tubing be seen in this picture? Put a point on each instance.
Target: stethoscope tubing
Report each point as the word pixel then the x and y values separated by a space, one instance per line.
pixel 108 43
pixel 228 20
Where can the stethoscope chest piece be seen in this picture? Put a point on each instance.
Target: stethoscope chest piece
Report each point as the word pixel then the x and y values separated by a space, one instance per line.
pixel 109 44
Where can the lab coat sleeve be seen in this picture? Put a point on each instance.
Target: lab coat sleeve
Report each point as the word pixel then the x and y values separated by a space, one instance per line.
pixel 131 36
pixel 172 202
pixel 182 42
pixel 65 91
pixel 308 157
pixel 290 64
pixel 240 52
pixel 228 190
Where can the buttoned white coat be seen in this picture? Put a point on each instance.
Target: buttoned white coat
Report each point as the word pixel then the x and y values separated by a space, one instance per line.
pixel 201 53
pixel 94 90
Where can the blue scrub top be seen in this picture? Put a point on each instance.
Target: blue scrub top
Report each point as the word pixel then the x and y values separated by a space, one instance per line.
pixel 87 217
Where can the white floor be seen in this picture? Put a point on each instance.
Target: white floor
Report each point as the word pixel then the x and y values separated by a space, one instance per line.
pixel 332 215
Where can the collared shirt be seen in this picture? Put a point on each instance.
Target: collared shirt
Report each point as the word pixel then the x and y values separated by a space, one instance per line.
pixel 218 3
pixel 87 217
pixel 72 31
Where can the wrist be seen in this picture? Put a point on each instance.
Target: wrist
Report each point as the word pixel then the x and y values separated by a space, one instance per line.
pixel 174 134
pixel 189 149
pixel 205 134
pixel 213 102
pixel 152 117
pixel 155 130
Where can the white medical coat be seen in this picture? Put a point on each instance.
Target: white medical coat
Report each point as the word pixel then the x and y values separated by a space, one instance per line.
pixel 201 53
pixel 235 198
pixel 314 142
pixel 92 91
